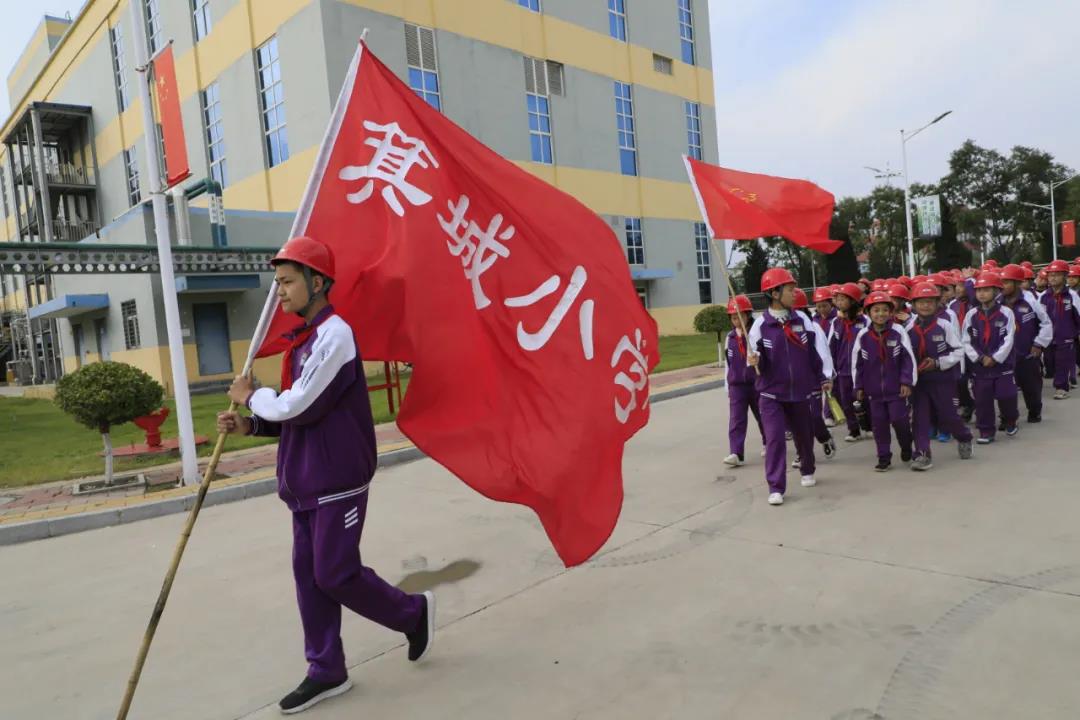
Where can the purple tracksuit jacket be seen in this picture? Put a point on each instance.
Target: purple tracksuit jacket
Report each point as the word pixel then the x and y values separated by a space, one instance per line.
pixel 792 359
pixel 327 447
pixel 1033 325
pixel 1064 311
pixel 880 364
pixel 842 338
pixel 990 333
pixel 738 372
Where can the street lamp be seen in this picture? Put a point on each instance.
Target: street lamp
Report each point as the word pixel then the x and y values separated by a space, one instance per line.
pixel 885 174
pixel 1053 213
pixel 904 137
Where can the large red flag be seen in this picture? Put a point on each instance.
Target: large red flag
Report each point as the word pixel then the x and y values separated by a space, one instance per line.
pixel 172 123
pixel 511 299
pixel 745 206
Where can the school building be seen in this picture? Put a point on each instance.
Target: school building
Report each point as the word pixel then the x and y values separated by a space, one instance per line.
pixel 599 97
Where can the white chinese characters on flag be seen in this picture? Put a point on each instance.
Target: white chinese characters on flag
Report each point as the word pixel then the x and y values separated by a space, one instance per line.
pixel 513 302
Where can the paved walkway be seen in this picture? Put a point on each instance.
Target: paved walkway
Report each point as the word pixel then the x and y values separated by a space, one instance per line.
pixel 947 595
pixel 53 500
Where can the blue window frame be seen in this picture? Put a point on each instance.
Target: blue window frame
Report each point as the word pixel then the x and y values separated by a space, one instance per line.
pixel 624 121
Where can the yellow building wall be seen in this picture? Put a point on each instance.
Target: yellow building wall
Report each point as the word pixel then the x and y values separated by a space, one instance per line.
pixel 676 320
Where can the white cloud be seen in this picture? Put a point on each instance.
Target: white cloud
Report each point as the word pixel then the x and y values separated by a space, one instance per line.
pixel 1006 69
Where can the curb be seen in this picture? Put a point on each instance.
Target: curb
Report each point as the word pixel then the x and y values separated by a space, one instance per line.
pixel 15 533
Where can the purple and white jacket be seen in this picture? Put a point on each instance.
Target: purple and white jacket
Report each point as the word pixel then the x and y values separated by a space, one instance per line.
pixel 880 364
pixel 327 450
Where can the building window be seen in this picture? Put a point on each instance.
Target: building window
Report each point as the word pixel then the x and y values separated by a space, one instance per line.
pixel 423 64
pixel 200 10
pixel 533 5
pixel 616 10
pixel 635 242
pixel 116 40
pixel 3 193
pixel 704 264
pixel 215 133
pixel 272 100
pixel 693 130
pixel 131 169
pixel 686 31
pixel 542 79
pixel 663 64
pixel 130 316
pixel 153 26
pixel 643 296
pixel 624 120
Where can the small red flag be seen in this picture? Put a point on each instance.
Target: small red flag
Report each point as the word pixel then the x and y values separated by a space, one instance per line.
pixel 513 301
pixel 172 123
pixel 1068 233
pixel 745 206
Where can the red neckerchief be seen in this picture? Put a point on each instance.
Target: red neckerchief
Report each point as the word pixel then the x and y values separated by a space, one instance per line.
pixel 1016 315
pixel 989 317
pixel 917 327
pixel 739 343
pixel 847 329
pixel 1059 299
pixel 790 334
pixel 298 338
pixel 879 339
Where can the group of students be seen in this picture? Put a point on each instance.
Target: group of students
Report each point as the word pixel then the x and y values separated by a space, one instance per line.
pixel 910 357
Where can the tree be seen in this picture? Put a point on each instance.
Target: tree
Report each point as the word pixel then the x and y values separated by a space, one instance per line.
pixel 841 266
pixel 105 394
pixel 949 252
pixel 757 262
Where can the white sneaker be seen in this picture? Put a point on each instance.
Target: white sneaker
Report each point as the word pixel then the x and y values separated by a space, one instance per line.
pixel 776 499
pixel 1061 395
pixel 796 463
pixel 853 438
pixel 829 422
pixel 808 481
pixel 733 460
pixel 762 452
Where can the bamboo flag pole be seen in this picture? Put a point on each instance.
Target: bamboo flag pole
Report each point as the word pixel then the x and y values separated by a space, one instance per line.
pixel 300 222
pixel 718 251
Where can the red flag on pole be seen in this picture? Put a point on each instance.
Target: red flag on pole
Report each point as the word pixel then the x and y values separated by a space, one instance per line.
pixel 1068 233
pixel 511 299
pixel 172 123
pixel 745 206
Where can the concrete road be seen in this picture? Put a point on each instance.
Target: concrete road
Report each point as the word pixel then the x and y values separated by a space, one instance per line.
pixel 949 594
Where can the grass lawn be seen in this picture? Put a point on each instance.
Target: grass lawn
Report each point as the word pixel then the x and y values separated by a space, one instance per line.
pixel 682 351
pixel 39 443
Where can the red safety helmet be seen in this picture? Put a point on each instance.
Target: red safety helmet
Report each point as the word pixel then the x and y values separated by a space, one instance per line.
pixel 1027 264
pixel 899 290
pixel 991 263
pixel 800 300
pixel 1057 266
pixel 988 279
pixel 852 290
pixel 1042 274
pixel 920 279
pixel 1012 271
pixel 925 290
pixel 1074 271
pixel 879 286
pixel 739 303
pixel 307 252
pixel 1028 273
pixel 774 278
pixel 877 297
pixel 904 279
pixel 822 294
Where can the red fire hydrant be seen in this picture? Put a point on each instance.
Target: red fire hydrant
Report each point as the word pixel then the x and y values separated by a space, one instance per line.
pixel 151 425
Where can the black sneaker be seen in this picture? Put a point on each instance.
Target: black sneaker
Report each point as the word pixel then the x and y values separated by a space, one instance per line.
pixel 829 448
pixel 966 413
pixel 965 450
pixel 883 465
pixel 423 637
pixel 1034 418
pixel 905 454
pixel 311 692
pixel 1001 425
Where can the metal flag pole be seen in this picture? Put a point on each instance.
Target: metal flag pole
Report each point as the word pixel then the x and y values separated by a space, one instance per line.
pixel 303 214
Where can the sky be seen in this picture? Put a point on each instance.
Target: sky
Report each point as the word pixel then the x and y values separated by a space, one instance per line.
pixel 818 90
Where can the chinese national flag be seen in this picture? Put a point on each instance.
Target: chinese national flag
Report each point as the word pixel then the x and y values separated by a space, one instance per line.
pixel 745 206
pixel 172 123
pixel 1068 233
pixel 511 299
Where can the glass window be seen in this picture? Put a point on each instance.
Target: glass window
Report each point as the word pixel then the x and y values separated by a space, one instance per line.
pixel 533 5
pixel 617 19
pixel 704 263
pixel 693 130
pixel 635 242
pixel 116 40
pixel 215 134
pixel 131 169
pixel 272 102
pixel 423 66
pixel 154 37
pixel 624 121
pixel 200 10
pixel 686 32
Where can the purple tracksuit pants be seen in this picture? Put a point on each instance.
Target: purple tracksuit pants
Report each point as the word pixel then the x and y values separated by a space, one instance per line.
pixel 776 417
pixel 741 398
pixel 1060 361
pixel 886 411
pixel 817 418
pixel 329 574
pixel 845 391
pixel 934 405
pixel 989 387
pixel 1029 378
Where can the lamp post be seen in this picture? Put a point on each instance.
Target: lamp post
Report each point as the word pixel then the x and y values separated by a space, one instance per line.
pixel 1053 214
pixel 904 137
